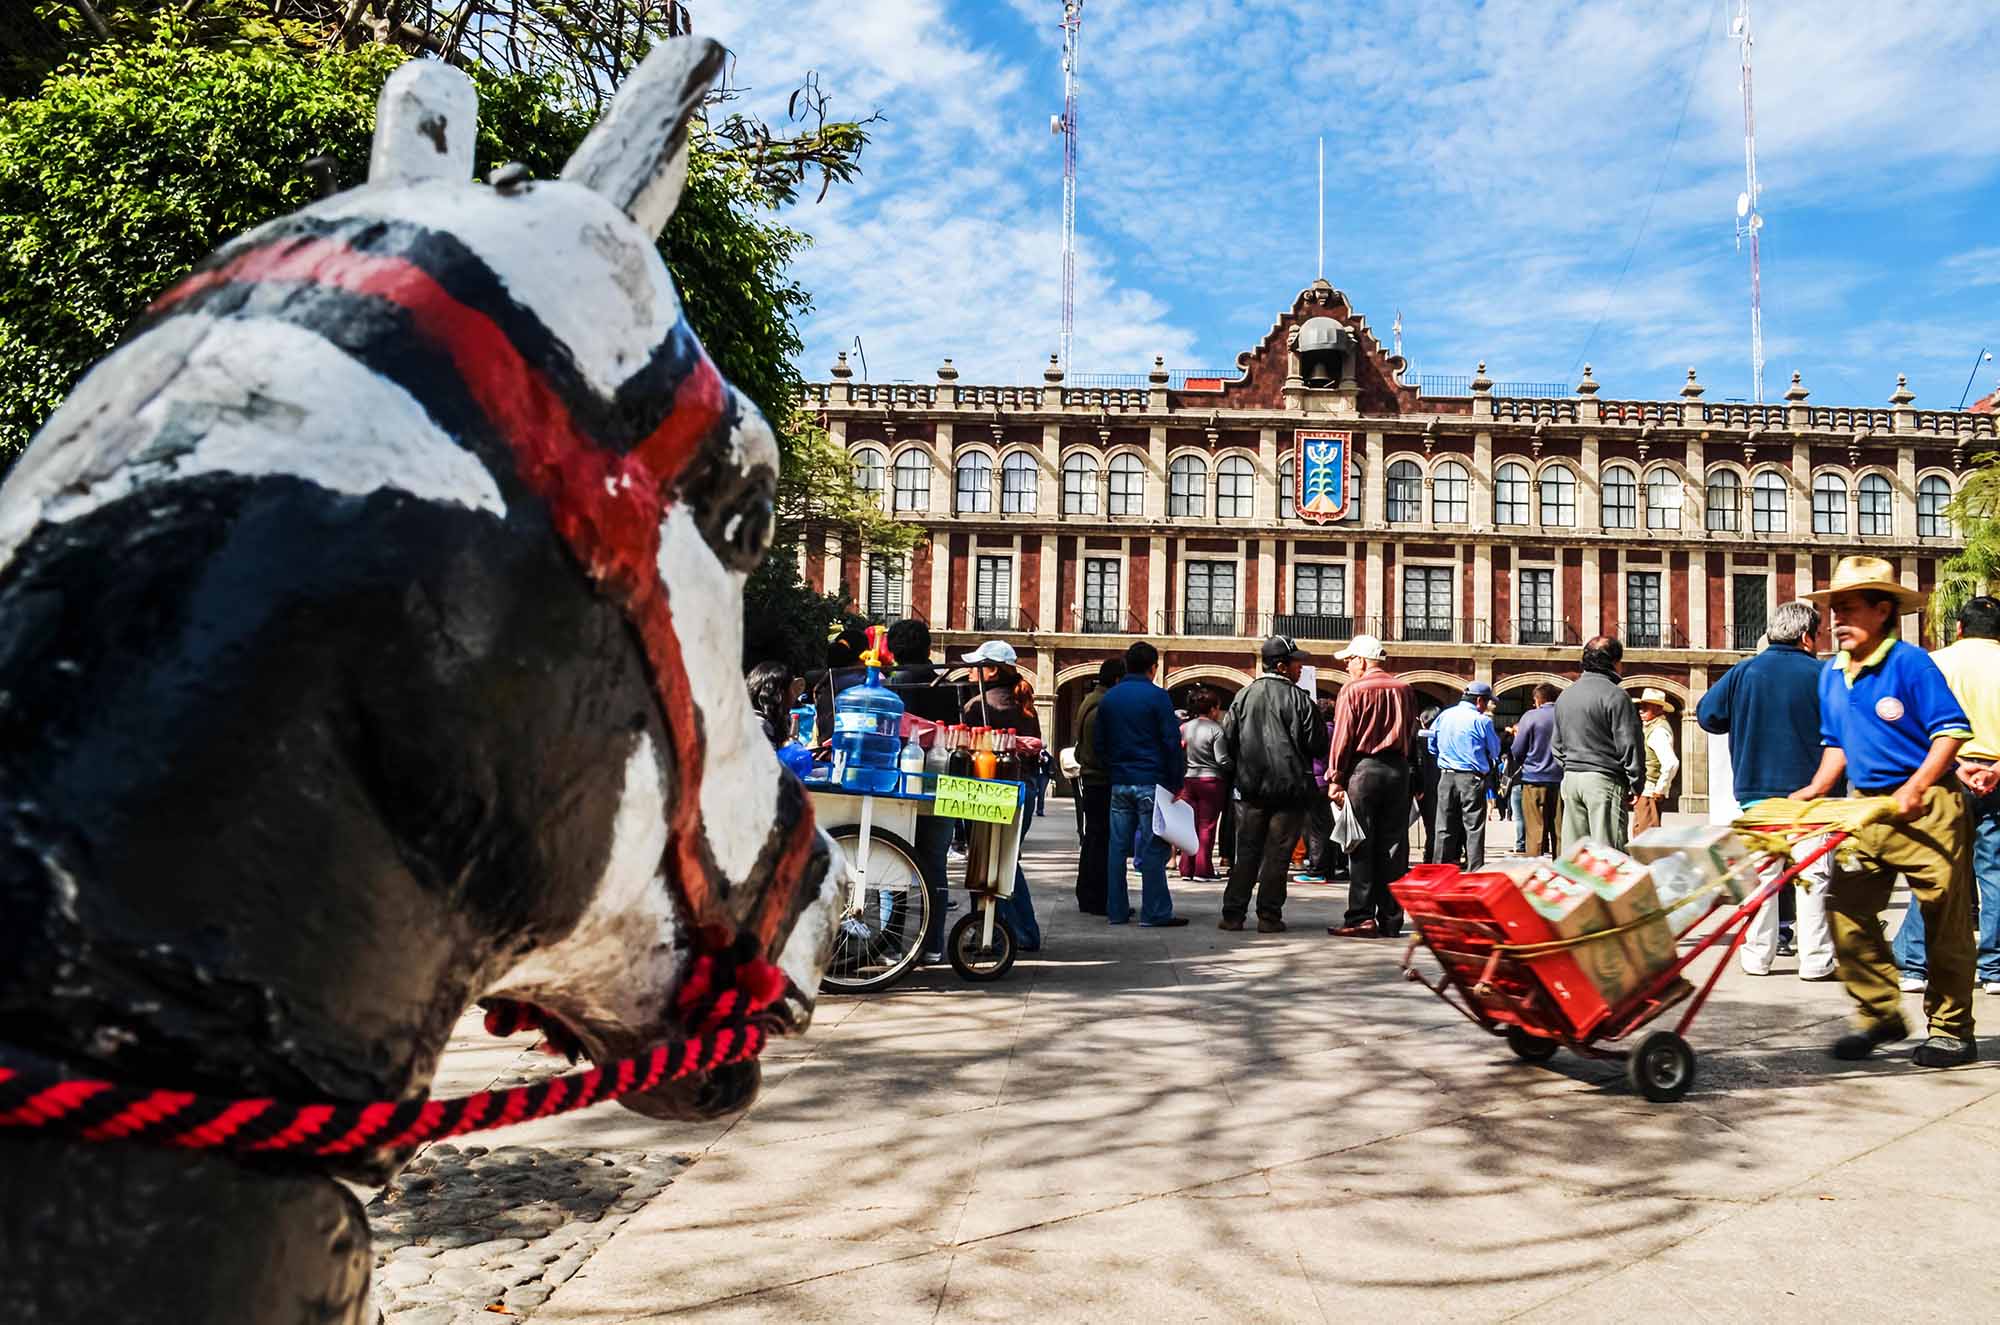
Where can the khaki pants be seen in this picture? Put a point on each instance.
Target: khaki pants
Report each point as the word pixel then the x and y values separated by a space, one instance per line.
pixel 1541 810
pixel 1934 852
pixel 1593 810
pixel 1645 814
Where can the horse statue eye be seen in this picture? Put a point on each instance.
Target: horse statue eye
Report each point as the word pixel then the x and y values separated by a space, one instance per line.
pixel 754 526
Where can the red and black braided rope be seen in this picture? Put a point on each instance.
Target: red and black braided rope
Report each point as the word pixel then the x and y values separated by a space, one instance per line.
pixel 726 999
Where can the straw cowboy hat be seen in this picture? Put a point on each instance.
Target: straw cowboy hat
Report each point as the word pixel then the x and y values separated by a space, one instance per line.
pixel 1868 573
pixel 1655 696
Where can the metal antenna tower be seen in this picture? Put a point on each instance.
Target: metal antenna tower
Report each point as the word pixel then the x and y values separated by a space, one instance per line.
pixel 1749 221
pixel 1065 124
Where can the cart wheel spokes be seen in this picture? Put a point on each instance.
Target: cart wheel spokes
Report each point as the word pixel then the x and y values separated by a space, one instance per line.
pixel 976 961
pixel 876 943
pixel 1661 1067
pixel 1531 1048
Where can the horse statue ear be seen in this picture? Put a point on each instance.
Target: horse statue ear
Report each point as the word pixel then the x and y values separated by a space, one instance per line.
pixel 426 124
pixel 636 156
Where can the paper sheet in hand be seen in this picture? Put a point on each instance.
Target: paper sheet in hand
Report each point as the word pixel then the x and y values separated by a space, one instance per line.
pixel 1173 820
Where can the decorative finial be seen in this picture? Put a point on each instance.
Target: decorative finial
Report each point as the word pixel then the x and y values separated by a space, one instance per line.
pixel 1053 374
pixel 1588 386
pixel 947 373
pixel 1692 390
pixel 1798 393
pixel 1481 383
pixel 1903 394
pixel 840 368
pixel 1158 377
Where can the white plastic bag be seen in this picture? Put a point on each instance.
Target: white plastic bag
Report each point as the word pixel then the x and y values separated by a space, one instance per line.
pixel 1346 825
pixel 1067 762
pixel 1173 820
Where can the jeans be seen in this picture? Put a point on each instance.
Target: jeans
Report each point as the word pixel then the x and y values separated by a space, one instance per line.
pixel 1319 833
pixel 1462 818
pixel 1093 800
pixel 1265 836
pixel 1379 791
pixel 1514 799
pixel 1019 910
pixel 1132 817
pixel 1911 951
pixel 1206 797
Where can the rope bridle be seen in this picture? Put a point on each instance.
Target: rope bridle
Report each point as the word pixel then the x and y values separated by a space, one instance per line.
pixel 726 1002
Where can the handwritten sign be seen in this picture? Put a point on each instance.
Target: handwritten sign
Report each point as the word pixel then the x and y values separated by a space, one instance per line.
pixel 974 799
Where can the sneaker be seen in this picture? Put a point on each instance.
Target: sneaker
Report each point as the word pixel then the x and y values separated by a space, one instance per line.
pixel 1856 1045
pixel 1945 1051
pixel 1269 926
pixel 1309 878
pixel 1231 923
pixel 932 958
pixel 1913 984
pixel 1367 929
pixel 1990 987
pixel 1821 978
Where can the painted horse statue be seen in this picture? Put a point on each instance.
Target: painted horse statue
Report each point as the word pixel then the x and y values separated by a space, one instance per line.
pixel 370 632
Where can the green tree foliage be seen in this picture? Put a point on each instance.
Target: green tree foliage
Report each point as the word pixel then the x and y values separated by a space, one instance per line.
pixel 1975 568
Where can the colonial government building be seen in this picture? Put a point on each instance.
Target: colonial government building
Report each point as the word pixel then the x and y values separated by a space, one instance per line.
pixel 1488 530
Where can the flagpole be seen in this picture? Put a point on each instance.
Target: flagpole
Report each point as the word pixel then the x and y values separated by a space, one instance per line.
pixel 1322 208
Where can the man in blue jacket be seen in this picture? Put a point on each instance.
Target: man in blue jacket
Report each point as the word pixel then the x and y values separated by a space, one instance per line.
pixel 1768 707
pixel 1139 743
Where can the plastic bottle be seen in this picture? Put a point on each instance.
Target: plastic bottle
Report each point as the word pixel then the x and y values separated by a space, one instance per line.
pixel 912 764
pixel 937 760
pixel 1006 764
pixel 983 759
pixel 960 760
pixel 867 730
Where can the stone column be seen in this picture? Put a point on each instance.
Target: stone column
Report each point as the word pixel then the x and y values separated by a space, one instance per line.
pixel 940 579
pixel 1266 490
pixel 1376 605
pixel 1156 480
pixel 1157 588
pixel 1482 481
pixel 1375 484
pixel 1593 610
pixel 1265 551
pixel 1482 589
pixel 1050 612
pixel 1800 482
pixel 1694 748
pixel 1589 495
pixel 1698 600
pixel 943 491
pixel 1048 481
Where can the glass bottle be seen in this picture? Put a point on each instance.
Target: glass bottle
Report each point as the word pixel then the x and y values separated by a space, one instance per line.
pixel 983 759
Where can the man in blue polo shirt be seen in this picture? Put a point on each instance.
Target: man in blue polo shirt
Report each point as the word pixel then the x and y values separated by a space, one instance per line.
pixel 1890 724
pixel 1468 753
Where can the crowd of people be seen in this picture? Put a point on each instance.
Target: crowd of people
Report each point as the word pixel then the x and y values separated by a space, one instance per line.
pixel 1285 787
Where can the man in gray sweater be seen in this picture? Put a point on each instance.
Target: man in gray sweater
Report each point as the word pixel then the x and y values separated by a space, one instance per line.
pixel 1601 747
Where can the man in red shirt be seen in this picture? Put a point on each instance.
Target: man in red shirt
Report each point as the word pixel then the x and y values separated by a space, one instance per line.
pixel 1374 746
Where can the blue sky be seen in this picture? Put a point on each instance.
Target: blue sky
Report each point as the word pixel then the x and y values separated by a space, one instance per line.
pixel 1489 169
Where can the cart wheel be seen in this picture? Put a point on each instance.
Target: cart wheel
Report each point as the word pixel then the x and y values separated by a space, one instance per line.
pixel 1661 1067
pixel 1531 1048
pixel 977 963
pixel 875 945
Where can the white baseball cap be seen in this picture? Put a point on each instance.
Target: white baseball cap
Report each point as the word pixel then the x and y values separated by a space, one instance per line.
pixel 994 651
pixel 1362 646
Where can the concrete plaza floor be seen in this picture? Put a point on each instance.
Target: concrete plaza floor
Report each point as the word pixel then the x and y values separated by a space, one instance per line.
pixel 1187 1125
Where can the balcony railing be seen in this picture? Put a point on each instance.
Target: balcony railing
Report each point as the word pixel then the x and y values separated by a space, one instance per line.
pixel 1652 635
pixel 1440 630
pixel 1541 632
pixel 1747 639
pixel 1316 626
pixel 995 619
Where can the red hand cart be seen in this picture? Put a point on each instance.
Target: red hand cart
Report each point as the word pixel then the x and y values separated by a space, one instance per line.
pixel 1535 995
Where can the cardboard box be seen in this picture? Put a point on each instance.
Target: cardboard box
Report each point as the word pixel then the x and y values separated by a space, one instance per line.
pixel 1626 888
pixel 1573 909
pixel 1711 848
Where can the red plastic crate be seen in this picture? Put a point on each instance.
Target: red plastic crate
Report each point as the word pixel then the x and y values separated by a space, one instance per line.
pixel 1416 891
pixel 1494 898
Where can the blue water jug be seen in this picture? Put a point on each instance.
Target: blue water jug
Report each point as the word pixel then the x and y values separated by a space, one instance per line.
pixel 867 736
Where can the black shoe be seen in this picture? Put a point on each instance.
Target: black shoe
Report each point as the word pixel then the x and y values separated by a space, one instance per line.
pixel 1230 923
pixel 1269 925
pixel 1945 1051
pixel 1171 922
pixel 1856 1045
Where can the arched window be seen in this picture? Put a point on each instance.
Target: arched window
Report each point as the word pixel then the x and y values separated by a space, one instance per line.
pixel 871 473
pixel 975 483
pixel 1510 494
pixel 1127 494
pixel 1080 483
pixel 1235 497
pixel 1451 493
pixel 1406 492
pixel 1877 508
pixel 1558 497
pixel 1356 485
pixel 1768 514
pixel 1933 492
pixel 1288 489
pixel 1017 484
pixel 1621 498
pixel 1829 505
pixel 1187 487
pixel 1725 502
pixel 913 481
pixel 1663 499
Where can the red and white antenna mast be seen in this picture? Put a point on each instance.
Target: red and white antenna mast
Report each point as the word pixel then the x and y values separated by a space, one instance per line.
pixel 1065 124
pixel 1749 221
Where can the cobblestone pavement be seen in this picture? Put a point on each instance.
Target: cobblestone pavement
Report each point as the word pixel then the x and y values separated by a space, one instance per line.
pixel 464 1232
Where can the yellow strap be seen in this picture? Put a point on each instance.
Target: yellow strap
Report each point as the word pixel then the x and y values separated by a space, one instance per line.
pixel 1560 945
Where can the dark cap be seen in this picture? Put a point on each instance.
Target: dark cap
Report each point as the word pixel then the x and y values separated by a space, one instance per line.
pixel 1479 690
pixel 1283 649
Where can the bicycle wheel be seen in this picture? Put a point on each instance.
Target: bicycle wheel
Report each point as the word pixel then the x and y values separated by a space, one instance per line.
pixel 881 939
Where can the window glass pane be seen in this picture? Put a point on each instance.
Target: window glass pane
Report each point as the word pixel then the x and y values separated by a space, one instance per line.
pixel 1101 610
pixel 1234 499
pixel 1753 611
pixel 1187 487
pixel 1427 603
pixel 1876 507
pixel 1537 608
pixel 1725 501
pixel 975 484
pixel 1288 479
pixel 913 481
pixel 1932 494
pixel 993 594
pixel 1017 484
pixel 1621 498
pixel 1510 495
pixel 1319 600
pixel 1663 500
pixel 1406 493
pixel 1829 505
pixel 1642 610
pixel 1451 493
pixel 1127 495
pixel 1354 491
pixel 1080 485
pixel 871 473
pixel 1210 607
pixel 1767 504
pixel 1558 496
pixel 885 588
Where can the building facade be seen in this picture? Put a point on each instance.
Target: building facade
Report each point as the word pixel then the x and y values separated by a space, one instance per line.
pixel 1487 532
